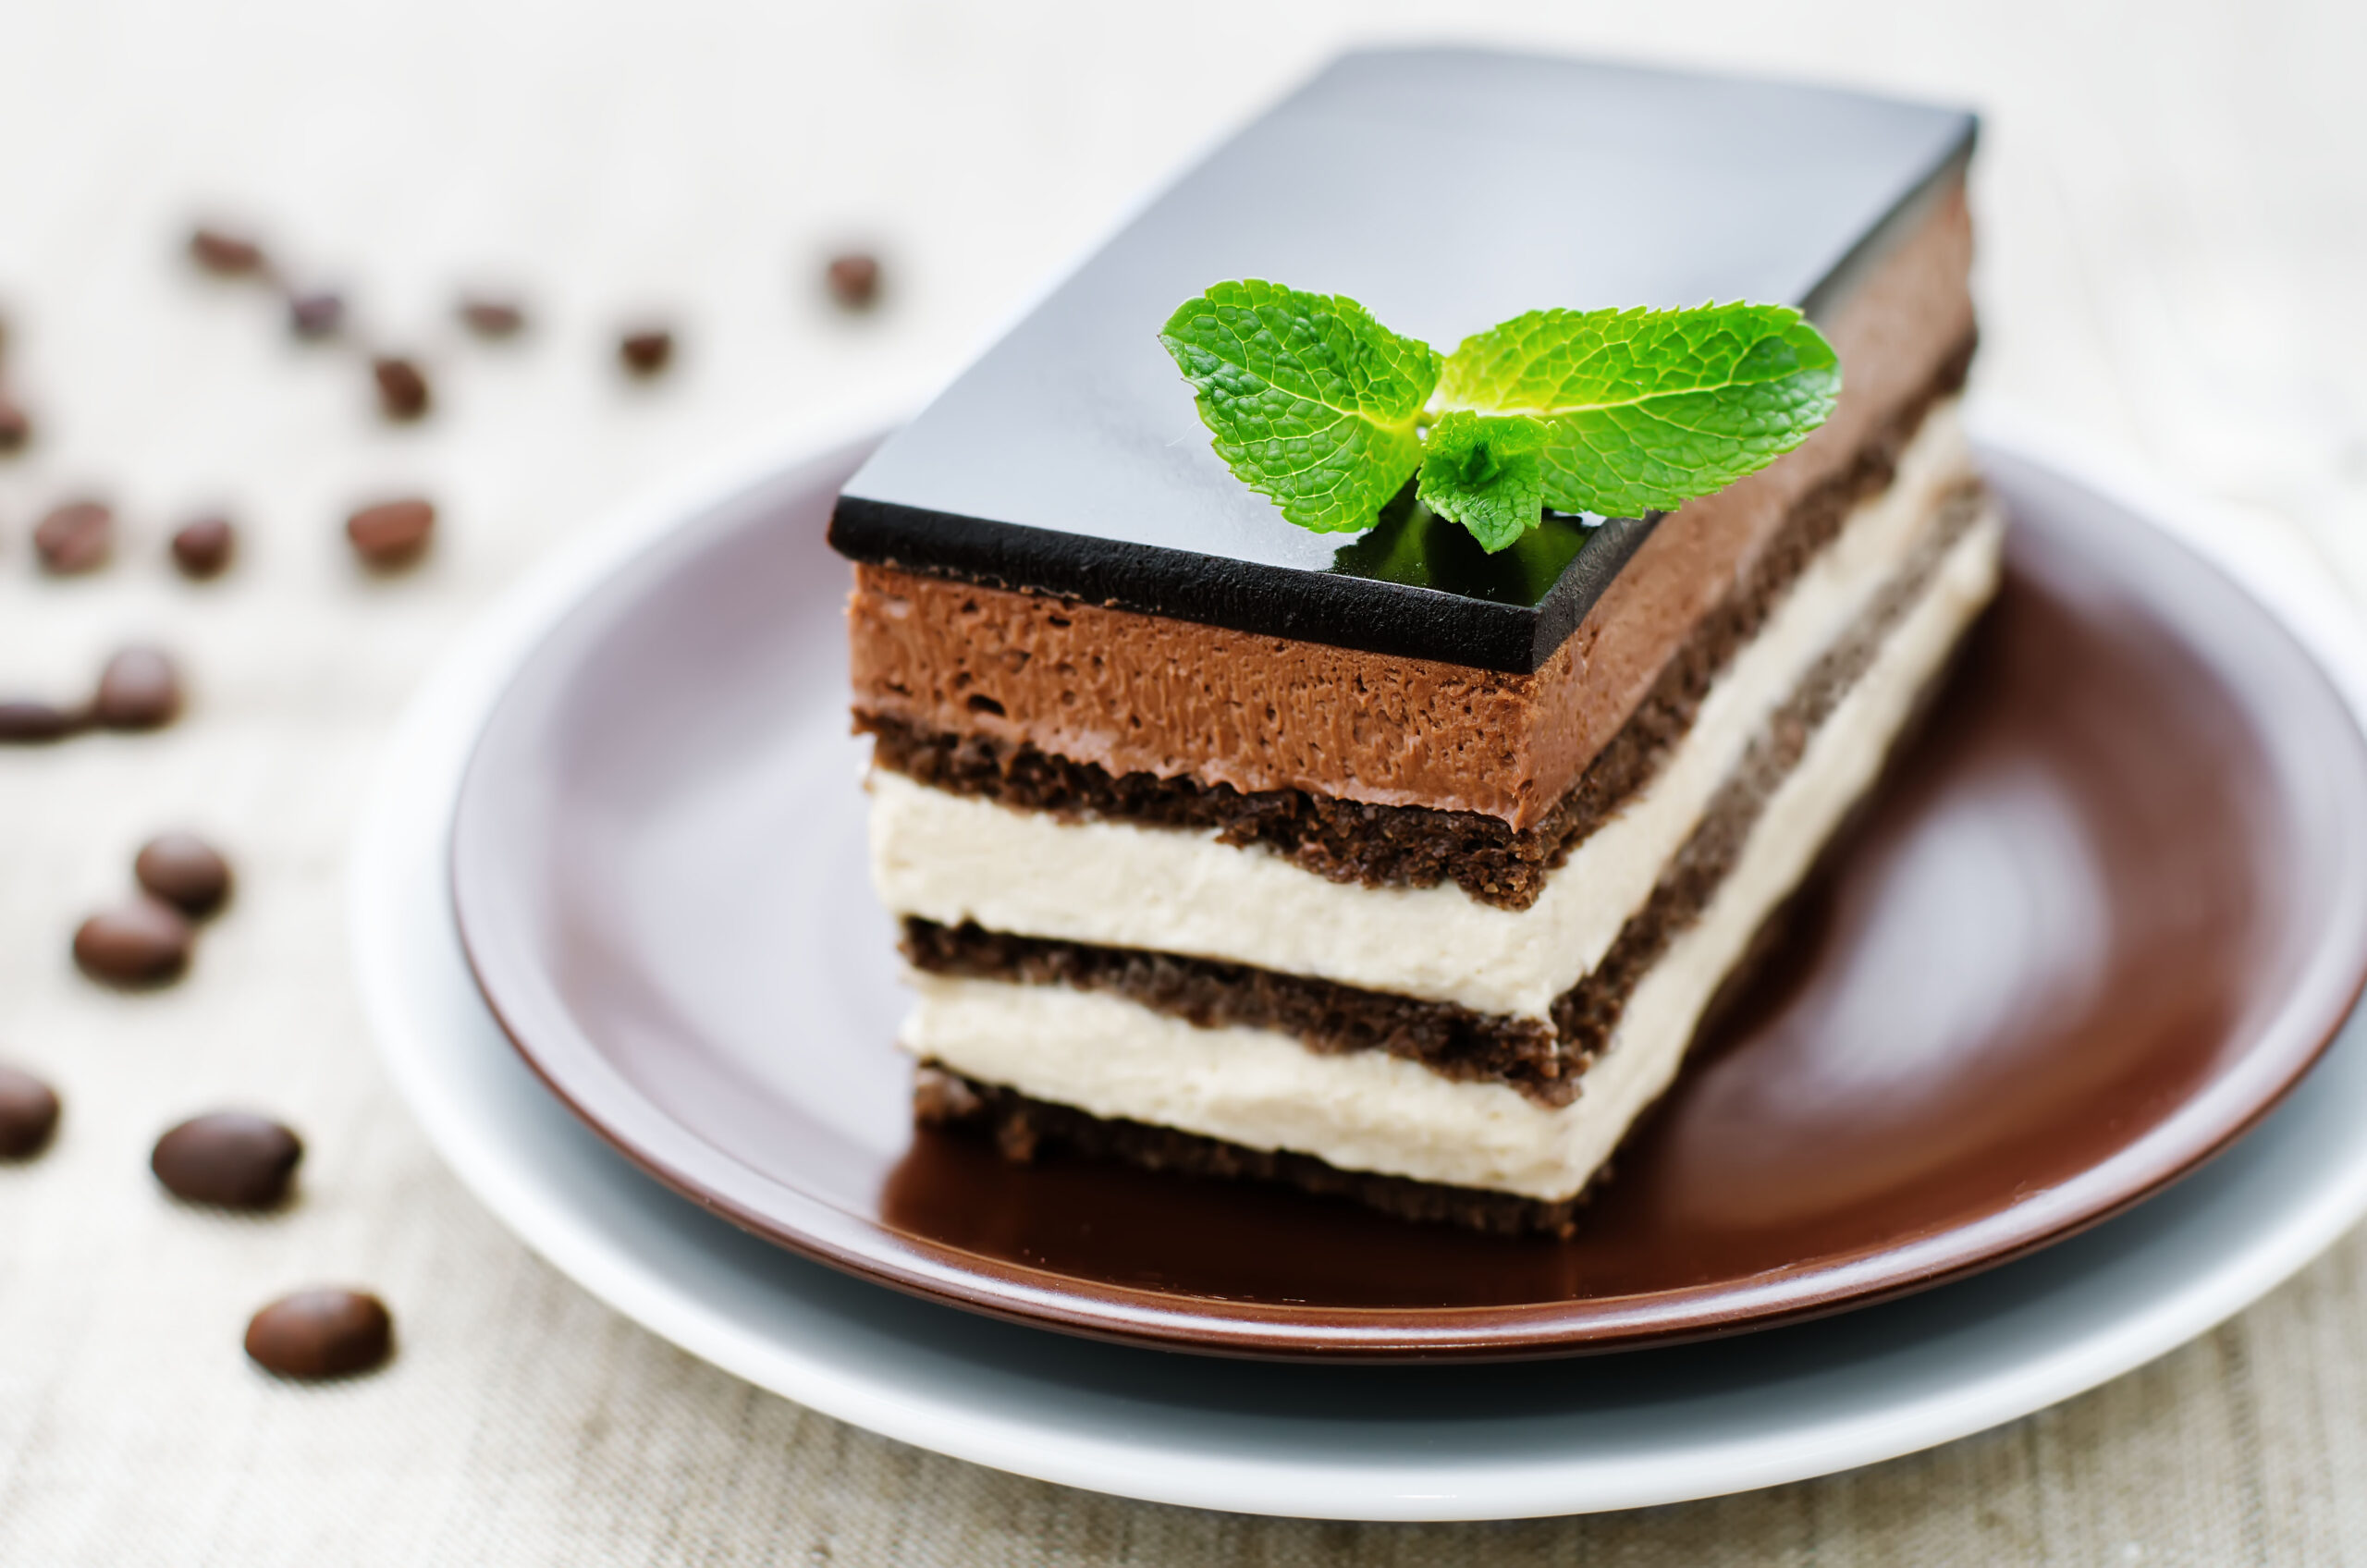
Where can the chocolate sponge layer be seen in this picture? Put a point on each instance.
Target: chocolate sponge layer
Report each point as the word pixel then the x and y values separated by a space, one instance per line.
pixel 1025 1129
pixel 1451 1040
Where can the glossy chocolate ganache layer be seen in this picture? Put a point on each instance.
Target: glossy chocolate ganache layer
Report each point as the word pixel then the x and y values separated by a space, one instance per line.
pixel 1129 695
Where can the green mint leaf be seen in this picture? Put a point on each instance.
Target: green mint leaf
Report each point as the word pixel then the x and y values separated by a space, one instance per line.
pixel 1484 471
pixel 1311 401
pixel 1645 410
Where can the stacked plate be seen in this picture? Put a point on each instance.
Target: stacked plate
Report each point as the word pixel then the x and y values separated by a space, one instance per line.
pixel 2011 1108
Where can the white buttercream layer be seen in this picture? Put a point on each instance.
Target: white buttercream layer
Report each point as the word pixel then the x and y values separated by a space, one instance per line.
pixel 949 858
pixel 1370 1111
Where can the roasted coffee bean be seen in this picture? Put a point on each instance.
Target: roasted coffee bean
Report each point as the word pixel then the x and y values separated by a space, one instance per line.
pixel 185 870
pixel 16 425
pixel 203 548
pixel 225 254
pixel 392 534
pixel 490 317
pixel 402 388
pixel 322 1334
pixel 30 723
pixel 140 943
pixel 315 313
pixel 646 350
pixel 28 1114
pixel 853 280
pixel 229 1158
pixel 140 688
pixel 74 538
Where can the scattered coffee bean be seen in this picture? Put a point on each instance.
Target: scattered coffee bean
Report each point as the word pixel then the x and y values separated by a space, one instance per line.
pixel 392 534
pixel 490 317
pixel 185 870
pixel 853 280
pixel 230 1158
pixel 74 538
pixel 322 1334
pixel 315 313
pixel 203 548
pixel 140 943
pixel 402 388
pixel 225 254
pixel 30 723
pixel 140 688
pixel 646 352
pixel 28 1114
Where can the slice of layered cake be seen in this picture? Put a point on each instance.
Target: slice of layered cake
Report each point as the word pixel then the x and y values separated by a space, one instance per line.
pixel 1397 854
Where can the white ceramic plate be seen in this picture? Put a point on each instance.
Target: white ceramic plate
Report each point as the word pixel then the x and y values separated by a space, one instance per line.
pixel 1411 1442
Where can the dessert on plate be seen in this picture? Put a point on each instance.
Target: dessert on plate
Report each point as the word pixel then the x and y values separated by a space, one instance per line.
pixel 1303 754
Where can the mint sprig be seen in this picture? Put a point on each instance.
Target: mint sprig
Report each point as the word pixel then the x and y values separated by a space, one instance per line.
pixel 1487 474
pixel 1313 402
pixel 1319 406
pixel 1644 409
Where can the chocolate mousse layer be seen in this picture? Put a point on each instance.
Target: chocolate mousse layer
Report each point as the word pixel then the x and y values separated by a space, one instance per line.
pixel 1126 693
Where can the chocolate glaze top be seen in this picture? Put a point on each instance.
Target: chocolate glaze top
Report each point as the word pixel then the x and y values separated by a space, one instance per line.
pixel 1446 189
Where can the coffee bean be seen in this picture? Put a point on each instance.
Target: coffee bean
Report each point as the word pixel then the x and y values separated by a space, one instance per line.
pixel 490 317
pixel 229 1158
pixel 646 350
pixel 28 1114
pixel 402 388
pixel 16 425
pixel 392 534
pixel 185 870
pixel 140 688
pixel 74 538
pixel 203 548
pixel 225 254
pixel 30 723
pixel 322 1334
pixel 853 280
pixel 315 313
pixel 140 943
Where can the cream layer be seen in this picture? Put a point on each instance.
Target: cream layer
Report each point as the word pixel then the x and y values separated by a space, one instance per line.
pixel 951 858
pixel 1367 1110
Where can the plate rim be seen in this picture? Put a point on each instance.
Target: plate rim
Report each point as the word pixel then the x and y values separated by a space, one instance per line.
pixel 2303 1025
pixel 439 721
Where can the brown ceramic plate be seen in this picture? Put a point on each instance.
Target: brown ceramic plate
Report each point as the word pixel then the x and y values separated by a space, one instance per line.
pixel 2101 915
